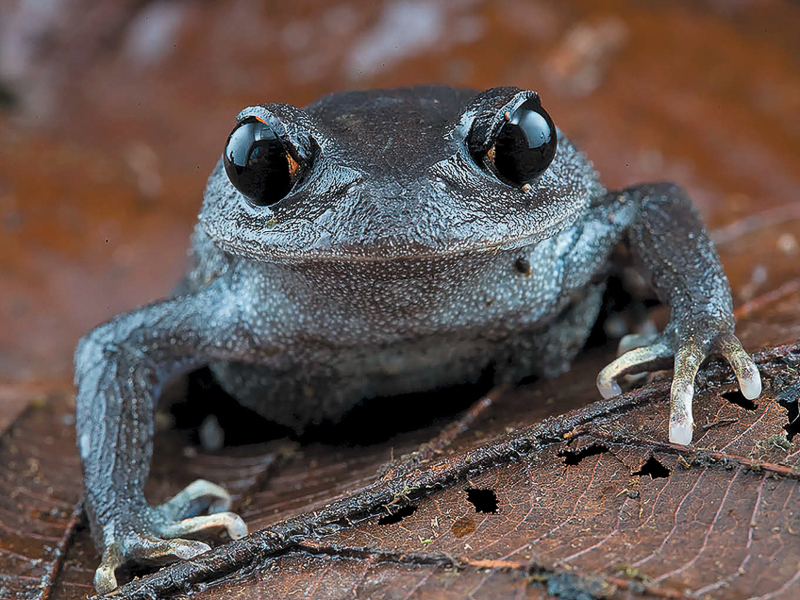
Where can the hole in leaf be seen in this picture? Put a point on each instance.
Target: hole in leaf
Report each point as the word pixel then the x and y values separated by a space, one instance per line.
pixel 789 398
pixel 399 515
pixel 572 457
pixel 739 400
pixel 653 468
pixel 484 501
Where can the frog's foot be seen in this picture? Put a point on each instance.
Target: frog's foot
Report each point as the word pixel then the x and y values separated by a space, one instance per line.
pixel 690 355
pixel 138 548
pixel 155 537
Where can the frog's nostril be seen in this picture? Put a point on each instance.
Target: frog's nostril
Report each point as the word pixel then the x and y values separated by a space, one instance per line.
pixel 522 266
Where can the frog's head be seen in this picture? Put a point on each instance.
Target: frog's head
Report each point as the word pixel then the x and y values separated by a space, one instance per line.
pixel 386 174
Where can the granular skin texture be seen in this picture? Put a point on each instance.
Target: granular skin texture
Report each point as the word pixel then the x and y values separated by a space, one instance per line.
pixel 393 265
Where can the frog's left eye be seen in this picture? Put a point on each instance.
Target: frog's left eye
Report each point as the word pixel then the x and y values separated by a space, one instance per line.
pixel 525 144
pixel 258 163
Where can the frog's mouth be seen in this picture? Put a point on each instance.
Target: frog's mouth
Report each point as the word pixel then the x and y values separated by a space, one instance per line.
pixel 306 241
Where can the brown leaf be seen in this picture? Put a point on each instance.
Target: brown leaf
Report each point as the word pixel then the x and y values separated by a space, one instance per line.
pixel 39 508
pixel 589 498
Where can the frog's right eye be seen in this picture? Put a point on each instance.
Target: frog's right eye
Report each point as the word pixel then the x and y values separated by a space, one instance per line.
pixel 258 163
pixel 525 144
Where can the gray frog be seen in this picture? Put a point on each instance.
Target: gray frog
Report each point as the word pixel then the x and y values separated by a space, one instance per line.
pixel 376 243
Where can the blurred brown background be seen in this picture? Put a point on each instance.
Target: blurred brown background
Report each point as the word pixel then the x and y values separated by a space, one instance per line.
pixel 113 114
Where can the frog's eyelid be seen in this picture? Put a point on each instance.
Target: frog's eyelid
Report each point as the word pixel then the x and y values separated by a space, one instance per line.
pixel 294 132
pixel 260 113
pixel 485 108
pixel 267 117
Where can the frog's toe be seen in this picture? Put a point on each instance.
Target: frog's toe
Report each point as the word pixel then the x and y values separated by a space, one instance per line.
pixel 681 423
pixel 635 340
pixel 159 551
pixel 230 522
pixel 105 579
pixel 178 514
pixel 743 366
pixel 196 497
pixel 647 358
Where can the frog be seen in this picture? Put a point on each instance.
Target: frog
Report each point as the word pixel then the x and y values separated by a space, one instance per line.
pixel 377 243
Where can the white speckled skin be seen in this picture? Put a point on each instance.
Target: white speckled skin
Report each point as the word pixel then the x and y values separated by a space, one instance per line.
pixel 389 271
pixel 397 263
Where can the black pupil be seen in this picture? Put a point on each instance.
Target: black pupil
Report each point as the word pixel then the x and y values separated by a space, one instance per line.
pixel 257 162
pixel 526 144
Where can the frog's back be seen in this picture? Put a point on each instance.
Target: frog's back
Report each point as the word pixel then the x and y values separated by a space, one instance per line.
pixel 426 105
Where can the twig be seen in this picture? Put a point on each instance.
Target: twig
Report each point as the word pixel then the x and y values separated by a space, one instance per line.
pixel 444 560
pixel 752 223
pixel 756 304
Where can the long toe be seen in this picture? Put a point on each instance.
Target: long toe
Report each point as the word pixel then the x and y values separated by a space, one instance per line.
pixel 634 361
pixel 230 522
pixel 743 367
pixel 635 340
pixel 168 551
pixel 105 579
pixel 681 422
pixel 196 497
